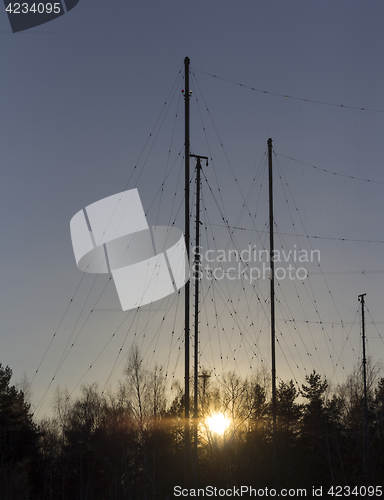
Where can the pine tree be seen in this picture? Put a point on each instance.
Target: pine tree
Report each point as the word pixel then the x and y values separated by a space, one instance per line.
pixel 18 442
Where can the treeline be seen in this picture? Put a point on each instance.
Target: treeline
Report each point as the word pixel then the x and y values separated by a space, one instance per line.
pixel 129 443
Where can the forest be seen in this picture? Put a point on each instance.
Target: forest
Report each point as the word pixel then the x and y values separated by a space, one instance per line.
pixel 129 443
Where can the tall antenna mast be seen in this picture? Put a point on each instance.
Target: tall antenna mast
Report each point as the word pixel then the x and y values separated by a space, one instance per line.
pixel 272 290
pixel 186 288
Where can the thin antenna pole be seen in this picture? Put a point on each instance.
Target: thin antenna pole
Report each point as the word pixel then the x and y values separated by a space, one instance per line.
pixel 196 371
pixel 186 317
pixel 196 336
pixel 205 376
pixel 365 429
pixel 272 290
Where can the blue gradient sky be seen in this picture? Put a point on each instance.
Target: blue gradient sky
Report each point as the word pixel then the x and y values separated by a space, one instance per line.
pixel 80 96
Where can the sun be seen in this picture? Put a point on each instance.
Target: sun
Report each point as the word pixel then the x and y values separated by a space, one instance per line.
pixel 217 423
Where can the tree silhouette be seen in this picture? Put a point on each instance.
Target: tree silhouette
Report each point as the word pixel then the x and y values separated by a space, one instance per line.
pixel 19 473
pixel 129 443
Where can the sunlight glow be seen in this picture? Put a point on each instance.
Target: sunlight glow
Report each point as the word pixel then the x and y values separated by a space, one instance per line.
pixel 218 423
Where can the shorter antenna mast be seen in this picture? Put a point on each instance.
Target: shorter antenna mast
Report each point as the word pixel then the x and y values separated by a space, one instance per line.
pixel 365 427
pixel 196 278
pixel 272 295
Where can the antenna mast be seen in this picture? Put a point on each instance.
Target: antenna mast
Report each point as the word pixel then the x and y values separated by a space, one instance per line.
pixel 187 290
pixel 365 428
pixel 272 291
pixel 197 278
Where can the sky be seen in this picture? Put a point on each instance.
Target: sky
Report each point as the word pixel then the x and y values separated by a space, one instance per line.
pixel 96 92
